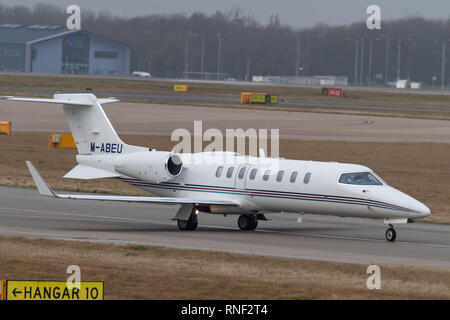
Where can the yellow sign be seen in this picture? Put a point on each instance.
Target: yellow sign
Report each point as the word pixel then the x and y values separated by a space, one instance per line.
pixel 51 290
pixel 274 99
pixel 5 127
pixel 61 141
pixel 180 88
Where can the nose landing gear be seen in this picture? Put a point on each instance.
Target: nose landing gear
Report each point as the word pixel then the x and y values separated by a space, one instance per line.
pixel 390 233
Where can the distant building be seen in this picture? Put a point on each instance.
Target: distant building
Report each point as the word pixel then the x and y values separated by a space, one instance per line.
pixel 313 81
pixel 54 49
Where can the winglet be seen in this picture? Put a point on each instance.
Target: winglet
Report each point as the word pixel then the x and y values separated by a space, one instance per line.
pixel 42 186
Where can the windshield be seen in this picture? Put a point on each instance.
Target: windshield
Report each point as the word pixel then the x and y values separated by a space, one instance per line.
pixel 359 178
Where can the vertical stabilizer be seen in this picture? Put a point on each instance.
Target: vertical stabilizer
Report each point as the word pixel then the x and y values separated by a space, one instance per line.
pixel 91 129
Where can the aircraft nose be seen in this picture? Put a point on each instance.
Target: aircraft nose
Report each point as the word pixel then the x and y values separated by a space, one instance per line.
pixel 421 209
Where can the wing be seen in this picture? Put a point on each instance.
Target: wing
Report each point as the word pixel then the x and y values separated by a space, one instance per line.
pixel 45 190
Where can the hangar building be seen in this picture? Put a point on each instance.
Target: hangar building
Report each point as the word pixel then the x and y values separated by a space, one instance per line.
pixel 55 49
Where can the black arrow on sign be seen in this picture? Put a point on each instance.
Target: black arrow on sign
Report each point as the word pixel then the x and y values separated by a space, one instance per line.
pixel 14 292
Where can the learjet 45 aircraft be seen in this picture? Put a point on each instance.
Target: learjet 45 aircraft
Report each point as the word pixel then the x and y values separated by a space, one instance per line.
pixel 243 187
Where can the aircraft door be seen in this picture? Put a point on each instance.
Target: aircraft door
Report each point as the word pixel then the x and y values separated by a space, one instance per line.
pixel 241 176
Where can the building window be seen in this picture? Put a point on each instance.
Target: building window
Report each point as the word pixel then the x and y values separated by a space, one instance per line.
pixel 11 52
pixel 75 54
pixel 106 54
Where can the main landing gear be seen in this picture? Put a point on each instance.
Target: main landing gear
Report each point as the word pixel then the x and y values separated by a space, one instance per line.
pixel 190 224
pixel 247 222
pixel 390 233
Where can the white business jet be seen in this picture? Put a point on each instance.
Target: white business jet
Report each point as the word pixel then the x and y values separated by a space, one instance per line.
pixel 242 186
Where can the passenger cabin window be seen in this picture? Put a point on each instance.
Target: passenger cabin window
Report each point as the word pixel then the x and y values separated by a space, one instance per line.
pixel 307 178
pixel 253 174
pixel 280 176
pixel 219 171
pixel 266 175
pixel 230 172
pixel 242 172
pixel 293 176
pixel 359 178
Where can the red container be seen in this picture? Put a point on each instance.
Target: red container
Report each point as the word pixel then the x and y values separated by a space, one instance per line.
pixel 334 92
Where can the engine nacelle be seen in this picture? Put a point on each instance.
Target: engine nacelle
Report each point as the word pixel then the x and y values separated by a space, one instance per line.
pixel 152 166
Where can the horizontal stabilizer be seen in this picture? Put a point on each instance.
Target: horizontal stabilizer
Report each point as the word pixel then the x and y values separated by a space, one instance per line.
pixel 66 99
pixel 57 101
pixel 85 172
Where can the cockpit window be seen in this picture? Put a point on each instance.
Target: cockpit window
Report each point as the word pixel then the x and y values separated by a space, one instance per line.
pixel 359 178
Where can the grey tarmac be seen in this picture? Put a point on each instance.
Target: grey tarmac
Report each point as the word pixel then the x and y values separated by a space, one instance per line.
pixel 23 212
pixel 163 119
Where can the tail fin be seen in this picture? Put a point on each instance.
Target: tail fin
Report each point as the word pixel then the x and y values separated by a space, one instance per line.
pixel 91 129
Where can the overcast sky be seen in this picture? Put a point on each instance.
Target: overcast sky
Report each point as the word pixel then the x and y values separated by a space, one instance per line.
pixel 297 13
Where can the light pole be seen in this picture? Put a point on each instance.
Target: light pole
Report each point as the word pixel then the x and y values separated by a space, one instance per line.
pixel 370 62
pixel 387 61
pixel 355 79
pixel 186 54
pixel 361 69
pixel 219 52
pixel 247 71
pixel 308 47
pixel 202 67
pixel 149 33
pixel 443 62
pixel 297 62
pixel 444 49
pixel 399 56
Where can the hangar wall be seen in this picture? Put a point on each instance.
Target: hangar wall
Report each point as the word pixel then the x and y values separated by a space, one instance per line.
pixel 46 56
pixel 12 57
pixel 56 50
pixel 106 57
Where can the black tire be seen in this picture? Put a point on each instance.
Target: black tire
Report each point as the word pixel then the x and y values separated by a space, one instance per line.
pixel 253 222
pixel 391 234
pixel 193 222
pixel 247 222
pixel 190 224
pixel 243 222
pixel 182 224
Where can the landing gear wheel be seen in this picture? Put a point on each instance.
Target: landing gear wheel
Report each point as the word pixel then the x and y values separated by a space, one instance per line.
pixel 190 224
pixel 253 222
pixel 247 222
pixel 391 234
